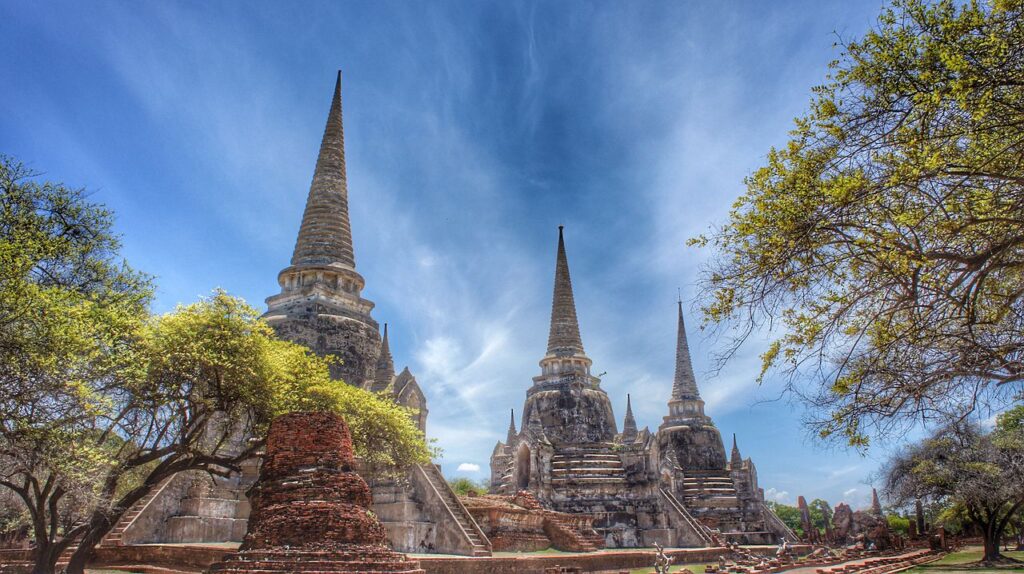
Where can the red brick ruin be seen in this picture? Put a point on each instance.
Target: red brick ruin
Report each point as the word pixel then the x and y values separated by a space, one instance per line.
pixel 310 510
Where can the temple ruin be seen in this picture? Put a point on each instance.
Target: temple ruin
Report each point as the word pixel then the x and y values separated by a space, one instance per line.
pixel 632 488
pixel 674 487
pixel 321 306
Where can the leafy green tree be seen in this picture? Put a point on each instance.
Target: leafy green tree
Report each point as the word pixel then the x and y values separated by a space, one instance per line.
pixel 980 475
pixel 100 402
pixel 821 511
pixel 790 515
pixel 883 245
pixel 467 487
pixel 898 524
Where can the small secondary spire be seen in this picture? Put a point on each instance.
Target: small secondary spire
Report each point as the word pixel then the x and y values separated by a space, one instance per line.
pixel 511 428
pixel 629 430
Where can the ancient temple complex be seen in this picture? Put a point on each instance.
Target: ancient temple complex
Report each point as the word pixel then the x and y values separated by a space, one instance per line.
pixel 675 486
pixel 587 484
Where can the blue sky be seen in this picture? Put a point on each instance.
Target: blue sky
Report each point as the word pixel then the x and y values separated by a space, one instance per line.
pixel 473 129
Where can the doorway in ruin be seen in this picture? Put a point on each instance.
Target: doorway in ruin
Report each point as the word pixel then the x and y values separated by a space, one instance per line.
pixel 523 467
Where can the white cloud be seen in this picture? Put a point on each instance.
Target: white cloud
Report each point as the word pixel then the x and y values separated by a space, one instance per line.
pixel 843 471
pixel 850 492
pixel 781 496
pixel 468 467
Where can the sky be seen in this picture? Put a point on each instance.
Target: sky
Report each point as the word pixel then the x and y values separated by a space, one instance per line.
pixel 473 129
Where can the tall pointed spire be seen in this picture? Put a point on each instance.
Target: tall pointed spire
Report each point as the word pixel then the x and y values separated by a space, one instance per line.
pixel 735 459
pixel 511 428
pixel 629 424
pixel 684 386
pixel 564 337
pixel 325 237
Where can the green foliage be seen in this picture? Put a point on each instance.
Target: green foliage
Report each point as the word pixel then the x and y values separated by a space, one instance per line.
pixel 898 524
pixel 252 376
pixel 467 487
pixel 790 515
pixel 977 476
pixel 886 238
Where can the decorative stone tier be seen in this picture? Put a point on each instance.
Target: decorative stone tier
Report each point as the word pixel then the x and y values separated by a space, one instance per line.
pixel 310 510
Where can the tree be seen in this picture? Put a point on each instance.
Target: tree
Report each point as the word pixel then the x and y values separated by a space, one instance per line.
pixel 821 513
pixel 69 314
pixel 883 246
pixel 467 487
pixel 898 524
pixel 790 515
pixel 101 402
pixel 981 473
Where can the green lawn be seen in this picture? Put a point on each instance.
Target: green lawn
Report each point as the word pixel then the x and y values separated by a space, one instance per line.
pixel 948 564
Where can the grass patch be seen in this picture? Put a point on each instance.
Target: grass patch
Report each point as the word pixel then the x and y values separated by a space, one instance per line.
pixel 948 563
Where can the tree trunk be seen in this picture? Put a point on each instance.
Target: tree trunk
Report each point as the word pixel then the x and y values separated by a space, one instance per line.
pixel 46 558
pixel 992 534
pixel 78 560
pixel 99 526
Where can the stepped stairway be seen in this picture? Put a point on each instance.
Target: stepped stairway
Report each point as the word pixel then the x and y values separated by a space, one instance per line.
pixel 778 524
pixel 481 546
pixel 587 465
pixel 704 534
pixel 710 497
pixel 116 535
pixel 566 535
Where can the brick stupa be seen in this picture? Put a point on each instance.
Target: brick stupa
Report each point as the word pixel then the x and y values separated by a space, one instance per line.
pixel 310 510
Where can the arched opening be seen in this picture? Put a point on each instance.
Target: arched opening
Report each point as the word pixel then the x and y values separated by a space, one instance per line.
pixel 523 467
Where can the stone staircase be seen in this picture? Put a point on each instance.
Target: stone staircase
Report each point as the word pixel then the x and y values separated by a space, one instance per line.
pixel 480 545
pixel 703 533
pixel 567 536
pixel 710 497
pixel 778 525
pixel 594 464
pixel 709 484
pixel 116 535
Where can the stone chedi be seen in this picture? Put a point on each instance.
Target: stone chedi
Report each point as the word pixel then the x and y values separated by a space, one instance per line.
pixel 674 487
pixel 321 306
pixel 310 510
